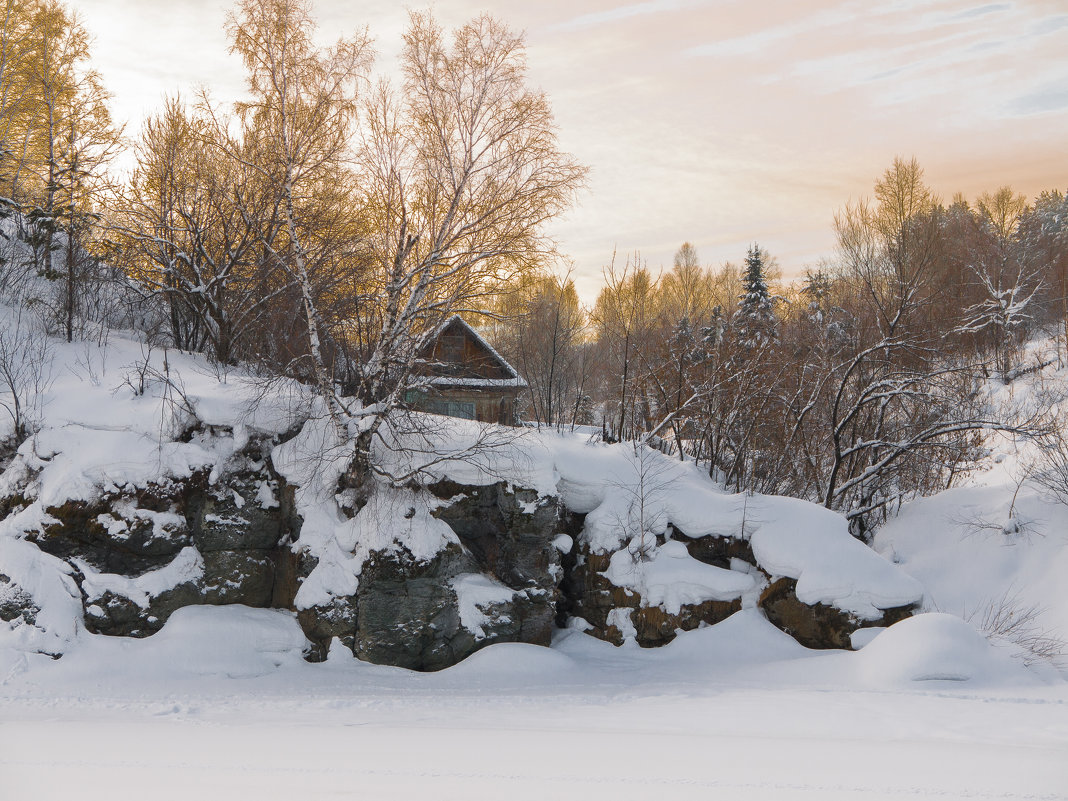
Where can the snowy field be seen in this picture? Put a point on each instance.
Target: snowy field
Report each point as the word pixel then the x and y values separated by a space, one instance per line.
pixel 219 705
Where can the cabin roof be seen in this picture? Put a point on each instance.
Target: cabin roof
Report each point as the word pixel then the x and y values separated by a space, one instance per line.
pixel 475 383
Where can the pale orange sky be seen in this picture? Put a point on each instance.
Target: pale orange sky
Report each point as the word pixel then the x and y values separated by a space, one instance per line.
pixel 720 122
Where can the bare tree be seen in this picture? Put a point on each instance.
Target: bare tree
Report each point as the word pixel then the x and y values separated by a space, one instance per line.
pixel 25 370
pixel 461 171
pixel 542 333
pixel 644 490
pixel 296 129
pixel 194 223
pixel 625 318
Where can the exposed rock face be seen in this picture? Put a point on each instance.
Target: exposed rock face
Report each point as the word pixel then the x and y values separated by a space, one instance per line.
pixel 716 550
pixel 818 625
pixel 509 532
pixel 16 603
pixel 617 612
pixel 141 553
pixel 116 614
pixel 127 533
pixel 498 584
pixel 407 612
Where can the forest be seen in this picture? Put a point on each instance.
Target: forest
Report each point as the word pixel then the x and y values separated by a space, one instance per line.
pixel 325 226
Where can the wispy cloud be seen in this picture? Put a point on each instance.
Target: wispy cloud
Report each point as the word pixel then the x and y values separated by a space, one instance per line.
pixel 1045 100
pixel 760 41
pixel 979 11
pixel 1048 25
pixel 625 12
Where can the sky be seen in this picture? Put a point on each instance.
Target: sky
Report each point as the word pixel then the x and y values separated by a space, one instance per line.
pixel 718 122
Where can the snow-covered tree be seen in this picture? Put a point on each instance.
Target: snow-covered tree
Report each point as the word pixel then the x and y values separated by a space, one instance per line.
pixel 296 127
pixel 459 170
pixel 754 322
pixel 193 221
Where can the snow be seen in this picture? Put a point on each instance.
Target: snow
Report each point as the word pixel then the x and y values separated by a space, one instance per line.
pixel 813 545
pixel 48 582
pixel 100 436
pixel 476 594
pixel 670 578
pixel 997 541
pixel 221 704
pixel 392 519
pixel 623 619
pixel 738 710
pixel 477 383
pixel 265 496
pixel 789 537
pixel 934 647
pixel 185 567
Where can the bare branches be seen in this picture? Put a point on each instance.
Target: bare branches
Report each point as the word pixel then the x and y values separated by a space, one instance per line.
pixel 1051 468
pixel 25 370
pixel 1012 620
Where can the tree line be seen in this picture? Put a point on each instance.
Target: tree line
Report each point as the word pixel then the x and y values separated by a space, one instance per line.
pixel 323 228
pixel 859 385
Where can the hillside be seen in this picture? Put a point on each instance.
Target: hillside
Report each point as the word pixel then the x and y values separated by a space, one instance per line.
pixel 219 676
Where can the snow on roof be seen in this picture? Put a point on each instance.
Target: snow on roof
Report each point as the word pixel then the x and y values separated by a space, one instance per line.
pixel 515 381
pixel 477 383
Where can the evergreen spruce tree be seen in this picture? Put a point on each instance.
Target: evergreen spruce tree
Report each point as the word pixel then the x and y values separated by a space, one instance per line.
pixel 754 323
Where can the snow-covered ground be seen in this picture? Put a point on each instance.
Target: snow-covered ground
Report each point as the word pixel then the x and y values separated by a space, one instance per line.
pixel 220 704
pixel 998 541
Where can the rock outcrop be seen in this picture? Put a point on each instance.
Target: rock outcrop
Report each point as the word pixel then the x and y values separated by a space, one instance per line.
pixel 140 553
pixel 818 625
pixel 615 612
pixel 516 565
pixel 497 582
pixel 15 603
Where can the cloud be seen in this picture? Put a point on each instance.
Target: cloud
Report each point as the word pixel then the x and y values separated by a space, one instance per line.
pixel 979 11
pixel 626 12
pixel 760 41
pixel 1049 99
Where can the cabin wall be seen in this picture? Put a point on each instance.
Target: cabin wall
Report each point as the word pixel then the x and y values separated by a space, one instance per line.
pixel 483 405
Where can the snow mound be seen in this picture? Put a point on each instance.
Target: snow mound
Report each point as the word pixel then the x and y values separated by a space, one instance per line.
pixel 806 542
pixel 745 638
pixel 790 538
pixel 48 582
pixel 508 660
pixel 229 641
pixel 935 647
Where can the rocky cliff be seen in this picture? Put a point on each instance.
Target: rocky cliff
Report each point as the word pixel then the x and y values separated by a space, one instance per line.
pixel 505 563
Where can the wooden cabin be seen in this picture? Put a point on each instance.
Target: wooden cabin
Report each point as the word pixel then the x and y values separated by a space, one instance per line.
pixel 466 377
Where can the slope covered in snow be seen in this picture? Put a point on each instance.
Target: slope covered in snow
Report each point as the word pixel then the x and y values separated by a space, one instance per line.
pixel 928 707
pixel 120 419
pixel 994 550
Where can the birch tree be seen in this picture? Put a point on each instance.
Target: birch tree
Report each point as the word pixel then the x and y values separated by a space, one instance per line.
pixel 297 122
pixel 459 170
